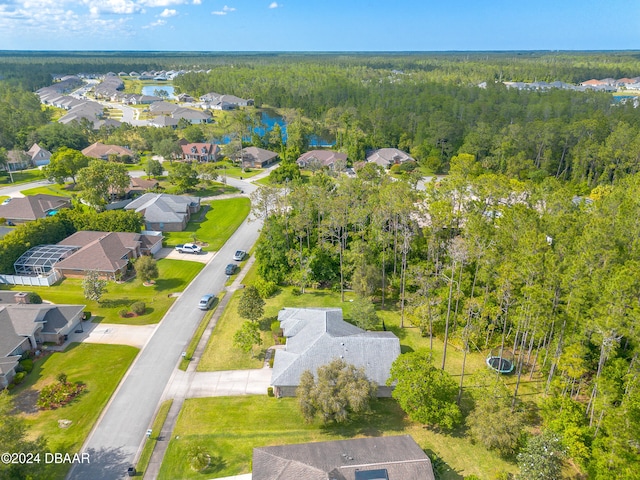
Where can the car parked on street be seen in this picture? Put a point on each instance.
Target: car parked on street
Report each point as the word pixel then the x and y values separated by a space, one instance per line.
pixel 239 255
pixel 231 269
pixel 206 302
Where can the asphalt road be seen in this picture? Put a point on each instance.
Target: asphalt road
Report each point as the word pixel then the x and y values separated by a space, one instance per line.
pixel 114 441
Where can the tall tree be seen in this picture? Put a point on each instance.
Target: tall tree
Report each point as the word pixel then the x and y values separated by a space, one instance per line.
pixel 100 181
pixel 426 393
pixel 340 391
pixel 65 163
pixel 251 304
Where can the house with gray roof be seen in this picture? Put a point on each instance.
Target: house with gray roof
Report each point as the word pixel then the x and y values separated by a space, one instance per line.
pixel 254 157
pixel 321 158
pixel 316 336
pixel 24 327
pixel 373 458
pixel 32 207
pixel 163 212
pixel 386 157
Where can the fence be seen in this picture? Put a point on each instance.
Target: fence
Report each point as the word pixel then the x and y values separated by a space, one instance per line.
pixel 39 281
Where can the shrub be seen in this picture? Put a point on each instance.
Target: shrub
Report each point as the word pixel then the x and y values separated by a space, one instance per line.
pixel 11 386
pixel 270 392
pixel 271 360
pixel 265 288
pixel 296 292
pixel 86 315
pixel 3 220
pixel 27 364
pixel 138 308
pixel 58 394
pixel 275 327
pixel 19 377
pixel 34 298
pixel 123 313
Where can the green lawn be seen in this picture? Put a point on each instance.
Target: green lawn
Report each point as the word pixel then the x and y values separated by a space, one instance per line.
pixel 150 443
pixel 53 189
pixel 22 176
pixel 230 427
pixel 100 367
pixel 175 275
pixel 230 169
pixel 214 224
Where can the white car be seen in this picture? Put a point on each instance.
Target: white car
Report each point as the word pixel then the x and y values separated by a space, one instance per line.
pixel 239 255
pixel 188 248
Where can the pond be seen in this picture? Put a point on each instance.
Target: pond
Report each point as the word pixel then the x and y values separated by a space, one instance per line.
pixel 269 120
pixel 151 89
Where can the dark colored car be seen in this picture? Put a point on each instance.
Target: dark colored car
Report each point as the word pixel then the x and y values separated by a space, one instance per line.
pixel 231 269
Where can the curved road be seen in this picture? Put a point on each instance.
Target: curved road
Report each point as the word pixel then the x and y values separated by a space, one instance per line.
pixel 113 443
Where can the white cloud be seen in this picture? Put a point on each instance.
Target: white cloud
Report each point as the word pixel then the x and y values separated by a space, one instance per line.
pixel 224 10
pixel 121 7
pixel 166 13
pixel 157 23
pixel 161 3
pixel 68 19
pixel 274 5
pixel 197 2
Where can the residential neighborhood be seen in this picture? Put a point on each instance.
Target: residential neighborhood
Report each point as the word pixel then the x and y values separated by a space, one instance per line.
pixel 330 266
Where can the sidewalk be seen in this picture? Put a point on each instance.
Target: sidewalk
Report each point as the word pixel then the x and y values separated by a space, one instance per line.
pixel 192 384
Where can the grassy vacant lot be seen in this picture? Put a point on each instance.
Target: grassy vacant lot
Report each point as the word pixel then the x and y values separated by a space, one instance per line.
pixel 100 367
pixel 175 275
pixel 214 224
pixel 230 427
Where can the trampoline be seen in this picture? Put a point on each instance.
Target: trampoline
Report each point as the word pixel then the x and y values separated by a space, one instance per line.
pixel 501 362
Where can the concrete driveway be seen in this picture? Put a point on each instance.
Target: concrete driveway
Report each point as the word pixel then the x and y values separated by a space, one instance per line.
pixel 218 384
pixel 110 333
pixel 204 257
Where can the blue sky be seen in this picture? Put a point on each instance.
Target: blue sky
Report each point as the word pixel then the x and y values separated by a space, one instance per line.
pixel 310 25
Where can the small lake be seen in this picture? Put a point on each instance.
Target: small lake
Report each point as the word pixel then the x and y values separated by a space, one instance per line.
pixel 150 89
pixel 270 119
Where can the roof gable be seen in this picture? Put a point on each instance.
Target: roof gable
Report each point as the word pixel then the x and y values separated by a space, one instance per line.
pixel 400 455
pixel 315 337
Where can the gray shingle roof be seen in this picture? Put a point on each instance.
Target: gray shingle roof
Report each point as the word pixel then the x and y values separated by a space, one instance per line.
pixel 388 156
pixel 400 456
pixel 161 207
pixel 316 336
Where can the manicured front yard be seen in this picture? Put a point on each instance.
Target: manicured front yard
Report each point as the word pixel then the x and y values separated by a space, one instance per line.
pixel 22 176
pixel 52 189
pixel 174 276
pixel 228 428
pixel 215 226
pixel 233 170
pixel 99 367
